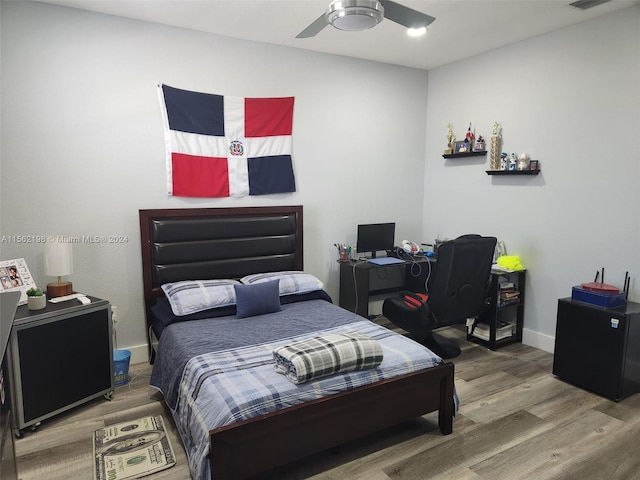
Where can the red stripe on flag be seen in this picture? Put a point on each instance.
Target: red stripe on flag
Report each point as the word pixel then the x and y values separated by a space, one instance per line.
pixel 268 117
pixel 195 176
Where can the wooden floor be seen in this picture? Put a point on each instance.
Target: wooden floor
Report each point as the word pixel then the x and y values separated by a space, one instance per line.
pixel 516 421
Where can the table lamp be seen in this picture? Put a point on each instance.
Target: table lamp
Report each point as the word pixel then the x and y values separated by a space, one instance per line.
pixel 58 262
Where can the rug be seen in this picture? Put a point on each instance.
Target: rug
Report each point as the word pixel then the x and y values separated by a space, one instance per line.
pixel 131 449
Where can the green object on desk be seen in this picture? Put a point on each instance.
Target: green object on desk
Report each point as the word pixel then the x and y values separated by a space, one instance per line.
pixel 510 262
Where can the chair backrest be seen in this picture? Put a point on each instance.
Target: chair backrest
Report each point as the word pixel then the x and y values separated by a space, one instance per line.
pixel 460 283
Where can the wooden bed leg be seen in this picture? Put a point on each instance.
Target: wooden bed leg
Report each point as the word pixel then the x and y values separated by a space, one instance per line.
pixel 447 407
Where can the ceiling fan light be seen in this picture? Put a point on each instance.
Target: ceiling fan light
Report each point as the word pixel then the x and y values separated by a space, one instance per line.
pixel 416 32
pixel 355 15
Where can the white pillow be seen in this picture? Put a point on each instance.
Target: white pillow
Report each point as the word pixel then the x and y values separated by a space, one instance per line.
pixel 291 282
pixel 192 296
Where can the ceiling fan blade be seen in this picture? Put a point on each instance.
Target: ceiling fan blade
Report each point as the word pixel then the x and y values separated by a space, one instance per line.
pixel 405 16
pixel 316 26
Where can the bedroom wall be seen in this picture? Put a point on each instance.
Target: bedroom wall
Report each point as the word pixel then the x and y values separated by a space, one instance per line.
pixel 571 99
pixel 82 146
pixel 82 140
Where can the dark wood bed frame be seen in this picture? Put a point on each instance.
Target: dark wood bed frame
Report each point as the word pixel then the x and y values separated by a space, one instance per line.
pixel 201 243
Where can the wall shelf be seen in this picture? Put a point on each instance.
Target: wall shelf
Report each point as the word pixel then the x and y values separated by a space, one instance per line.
pixel 464 154
pixel 513 172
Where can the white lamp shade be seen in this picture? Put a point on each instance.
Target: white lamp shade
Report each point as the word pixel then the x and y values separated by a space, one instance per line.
pixel 58 260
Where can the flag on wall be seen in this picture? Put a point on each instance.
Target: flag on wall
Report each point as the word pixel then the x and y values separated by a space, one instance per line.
pixel 221 146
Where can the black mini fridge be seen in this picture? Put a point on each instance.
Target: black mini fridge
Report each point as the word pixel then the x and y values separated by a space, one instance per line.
pixel 597 348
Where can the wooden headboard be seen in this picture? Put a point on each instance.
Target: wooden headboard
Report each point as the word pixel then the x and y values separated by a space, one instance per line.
pixel 208 243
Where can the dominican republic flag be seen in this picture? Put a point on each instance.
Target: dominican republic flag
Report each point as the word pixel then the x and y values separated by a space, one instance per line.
pixel 221 146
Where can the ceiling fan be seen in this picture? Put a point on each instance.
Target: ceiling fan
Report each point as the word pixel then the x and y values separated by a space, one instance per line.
pixel 354 15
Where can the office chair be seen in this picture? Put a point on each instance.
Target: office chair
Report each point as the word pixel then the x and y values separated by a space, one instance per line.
pixel 458 291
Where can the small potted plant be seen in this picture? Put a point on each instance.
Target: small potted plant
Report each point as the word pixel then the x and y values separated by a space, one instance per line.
pixel 36 299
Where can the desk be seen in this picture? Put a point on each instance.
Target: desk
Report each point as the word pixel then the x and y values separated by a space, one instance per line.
pixel 359 280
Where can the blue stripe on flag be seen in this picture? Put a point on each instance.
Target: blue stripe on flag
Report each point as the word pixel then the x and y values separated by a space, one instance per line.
pixel 273 174
pixel 194 112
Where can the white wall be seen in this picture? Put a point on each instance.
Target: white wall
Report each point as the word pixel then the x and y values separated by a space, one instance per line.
pixel 571 99
pixel 82 140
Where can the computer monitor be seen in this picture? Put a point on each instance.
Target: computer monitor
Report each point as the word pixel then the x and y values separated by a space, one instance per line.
pixel 375 236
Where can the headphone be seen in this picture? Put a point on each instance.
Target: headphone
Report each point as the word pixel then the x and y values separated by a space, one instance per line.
pixel 410 247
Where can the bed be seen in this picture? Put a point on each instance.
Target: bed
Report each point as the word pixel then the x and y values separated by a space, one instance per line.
pixel 209 244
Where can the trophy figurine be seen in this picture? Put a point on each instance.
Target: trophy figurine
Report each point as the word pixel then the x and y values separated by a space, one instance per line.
pixel 451 138
pixel 496 140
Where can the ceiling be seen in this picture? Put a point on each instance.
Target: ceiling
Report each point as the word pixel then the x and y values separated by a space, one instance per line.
pixel 462 29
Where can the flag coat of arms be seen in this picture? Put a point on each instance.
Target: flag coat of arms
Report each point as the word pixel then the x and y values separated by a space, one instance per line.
pixel 221 146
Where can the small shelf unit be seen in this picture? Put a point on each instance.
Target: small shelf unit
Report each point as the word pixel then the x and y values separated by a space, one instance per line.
pixel 502 319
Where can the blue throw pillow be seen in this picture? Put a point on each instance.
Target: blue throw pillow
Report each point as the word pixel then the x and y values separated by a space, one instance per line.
pixel 258 298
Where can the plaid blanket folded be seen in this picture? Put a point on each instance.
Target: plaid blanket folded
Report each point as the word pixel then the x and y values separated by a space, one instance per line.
pixel 325 355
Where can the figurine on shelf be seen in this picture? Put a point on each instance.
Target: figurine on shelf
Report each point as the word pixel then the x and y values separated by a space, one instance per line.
pixel 469 139
pixel 451 138
pixel 523 161
pixel 479 146
pixel 503 161
pixel 513 161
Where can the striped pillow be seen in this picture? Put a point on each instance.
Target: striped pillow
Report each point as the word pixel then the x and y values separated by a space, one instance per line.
pixel 191 296
pixel 291 282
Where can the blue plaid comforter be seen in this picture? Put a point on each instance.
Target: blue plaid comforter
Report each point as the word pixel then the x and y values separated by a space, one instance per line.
pixel 217 371
pixel 224 387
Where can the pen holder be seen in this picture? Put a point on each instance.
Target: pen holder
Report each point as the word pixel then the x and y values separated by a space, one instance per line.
pixel 344 252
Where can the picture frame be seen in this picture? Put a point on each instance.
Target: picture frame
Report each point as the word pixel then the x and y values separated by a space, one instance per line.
pixel 533 164
pixel 15 276
pixel 460 147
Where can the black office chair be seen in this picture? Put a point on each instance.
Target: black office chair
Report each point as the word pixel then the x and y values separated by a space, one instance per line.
pixel 458 291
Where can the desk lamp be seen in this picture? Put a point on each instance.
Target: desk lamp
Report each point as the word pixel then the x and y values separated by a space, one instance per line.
pixel 58 262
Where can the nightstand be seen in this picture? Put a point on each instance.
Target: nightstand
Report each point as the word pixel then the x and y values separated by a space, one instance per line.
pixel 58 358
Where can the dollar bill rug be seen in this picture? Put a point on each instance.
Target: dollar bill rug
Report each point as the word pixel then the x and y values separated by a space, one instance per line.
pixel 131 449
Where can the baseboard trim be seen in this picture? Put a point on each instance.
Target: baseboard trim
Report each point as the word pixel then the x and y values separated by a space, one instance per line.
pixel 139 354
pixel 538 340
